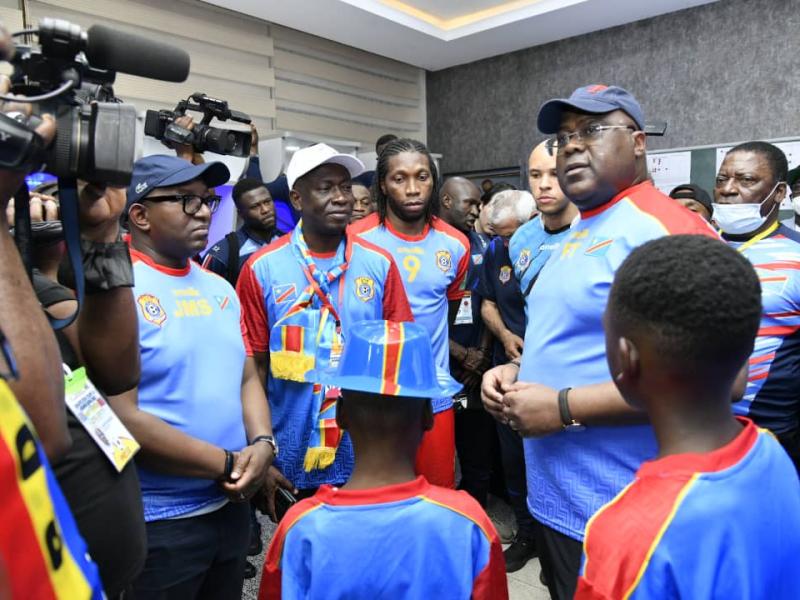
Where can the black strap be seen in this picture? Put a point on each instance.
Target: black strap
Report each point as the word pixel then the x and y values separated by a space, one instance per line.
pixel 69 210
pixel 530 285
pixel 232 268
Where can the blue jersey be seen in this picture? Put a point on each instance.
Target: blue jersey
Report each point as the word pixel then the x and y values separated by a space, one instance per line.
pixel 217 257
pixel 496 283
pixel 772 397
pixel 530 247
pixel 571 474
pixel 723 524
pixel 193 358
pixel 410 540
pixel 268 285
pixel 434 266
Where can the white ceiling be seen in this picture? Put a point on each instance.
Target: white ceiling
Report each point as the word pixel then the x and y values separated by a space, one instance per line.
pixel 436 34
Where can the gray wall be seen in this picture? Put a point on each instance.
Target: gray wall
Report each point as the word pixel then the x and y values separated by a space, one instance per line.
pixel 723 72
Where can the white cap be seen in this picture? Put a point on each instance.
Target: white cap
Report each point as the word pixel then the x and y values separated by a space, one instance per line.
pixel 307 159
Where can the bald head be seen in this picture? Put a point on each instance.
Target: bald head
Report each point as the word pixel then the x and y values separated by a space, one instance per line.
pixel 460 202
pixel 543 181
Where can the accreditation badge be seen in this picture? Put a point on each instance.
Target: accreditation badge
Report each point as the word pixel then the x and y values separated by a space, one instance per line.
pixel 98 419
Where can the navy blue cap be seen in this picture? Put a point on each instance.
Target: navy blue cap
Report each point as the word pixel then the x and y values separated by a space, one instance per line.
pixel 161 170
pixel 592 99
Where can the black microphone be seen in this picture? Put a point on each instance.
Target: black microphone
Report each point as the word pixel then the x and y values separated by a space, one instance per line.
pixel 107 48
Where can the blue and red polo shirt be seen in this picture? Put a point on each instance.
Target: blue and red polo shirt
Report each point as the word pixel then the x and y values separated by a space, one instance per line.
pixel 723 524
pixel 571 474
pixel 434 267
pixel 269 283
pixel 409 540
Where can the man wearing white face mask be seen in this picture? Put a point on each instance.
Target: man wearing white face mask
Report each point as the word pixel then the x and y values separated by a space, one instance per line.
pixel 793 181
pixel 750 186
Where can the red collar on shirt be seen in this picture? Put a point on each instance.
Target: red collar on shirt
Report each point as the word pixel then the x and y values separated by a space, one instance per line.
pixel 406 237
pixel 585 214
pixel 707 462
pixel 141 256
pixel 379 495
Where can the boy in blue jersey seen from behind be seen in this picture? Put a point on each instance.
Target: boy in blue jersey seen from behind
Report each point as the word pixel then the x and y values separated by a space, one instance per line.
pixel 717 513
pixel 387 533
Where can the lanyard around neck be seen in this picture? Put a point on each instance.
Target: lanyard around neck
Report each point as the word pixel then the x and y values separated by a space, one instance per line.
pixel 769 230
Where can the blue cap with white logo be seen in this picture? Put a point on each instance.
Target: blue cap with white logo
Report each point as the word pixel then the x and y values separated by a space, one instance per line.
pixel 592 99
pixel 161 170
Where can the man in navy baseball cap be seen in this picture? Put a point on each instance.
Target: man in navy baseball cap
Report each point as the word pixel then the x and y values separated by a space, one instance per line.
pixel 574 462
pixel 162 171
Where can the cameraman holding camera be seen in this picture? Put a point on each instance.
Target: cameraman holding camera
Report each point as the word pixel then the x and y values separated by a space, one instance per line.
pixel 104 499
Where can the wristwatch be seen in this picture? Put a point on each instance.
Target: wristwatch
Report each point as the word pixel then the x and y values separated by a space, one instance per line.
pixel 270 439
pixel 567 421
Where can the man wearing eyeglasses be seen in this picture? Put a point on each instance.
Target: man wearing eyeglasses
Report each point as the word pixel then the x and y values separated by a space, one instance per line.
pixel 576 461
pixel 202 419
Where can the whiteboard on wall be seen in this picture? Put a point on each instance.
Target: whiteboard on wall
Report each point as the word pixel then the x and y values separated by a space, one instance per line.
pixel 790 149
pixel 670 169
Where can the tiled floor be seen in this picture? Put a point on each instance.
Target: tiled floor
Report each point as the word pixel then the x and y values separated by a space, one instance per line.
pixel 522 585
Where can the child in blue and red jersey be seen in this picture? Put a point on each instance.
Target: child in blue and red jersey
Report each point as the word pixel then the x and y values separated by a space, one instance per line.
pixel 387 533
pixel 717 513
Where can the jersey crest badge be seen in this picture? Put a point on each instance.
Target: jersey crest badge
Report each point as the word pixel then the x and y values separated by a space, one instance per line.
pixel 477 259
pixel 599 247
pixel 284 293
pixel 524 258
pixel 152 311
pixel 223 301
pixel 365 289
pixel 444 260
pixel 505 274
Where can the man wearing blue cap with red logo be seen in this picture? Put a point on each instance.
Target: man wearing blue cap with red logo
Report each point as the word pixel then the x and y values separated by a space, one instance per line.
pixel 387 533
pixel 559 395
pixel 202 419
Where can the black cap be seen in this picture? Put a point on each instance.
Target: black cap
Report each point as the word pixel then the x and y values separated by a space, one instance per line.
pixel 694 192
pixel 793 176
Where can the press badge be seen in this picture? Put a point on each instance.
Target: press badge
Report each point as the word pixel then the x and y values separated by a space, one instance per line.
pixel 464 314
pixel 98 419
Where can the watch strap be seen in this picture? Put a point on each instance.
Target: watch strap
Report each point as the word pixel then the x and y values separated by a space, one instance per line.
pixel 563 407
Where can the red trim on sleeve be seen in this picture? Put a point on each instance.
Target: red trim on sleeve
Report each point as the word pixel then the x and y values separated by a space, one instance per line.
pixel 254 321
pixel 623 535
pixel 270 587
pixel 492 582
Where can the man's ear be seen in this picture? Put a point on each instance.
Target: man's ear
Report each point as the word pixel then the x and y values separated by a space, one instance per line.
pixel 780 192
pixel 629 362
pixel 639 143
pixel 341 414
pixel 446 202
pixel 427 416
pixel 139 217
pixel 296 200
pixel 383 188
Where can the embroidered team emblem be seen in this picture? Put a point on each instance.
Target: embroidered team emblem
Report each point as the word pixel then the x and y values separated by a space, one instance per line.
pixel 477 259
pixel 284 293
pixel 598 247
pixel 524 258
pixel 365 288
pixel 505 274
pixel 152 309
pixel 443 260
pixel 223 301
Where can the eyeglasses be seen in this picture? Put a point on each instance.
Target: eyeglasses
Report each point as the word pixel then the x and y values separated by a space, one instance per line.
pixel 192 203
pixel 588 135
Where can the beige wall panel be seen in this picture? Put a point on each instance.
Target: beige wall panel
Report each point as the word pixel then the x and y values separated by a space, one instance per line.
pixel 335 128
pixel 346 55
pixel 293 92
pixel 297 63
